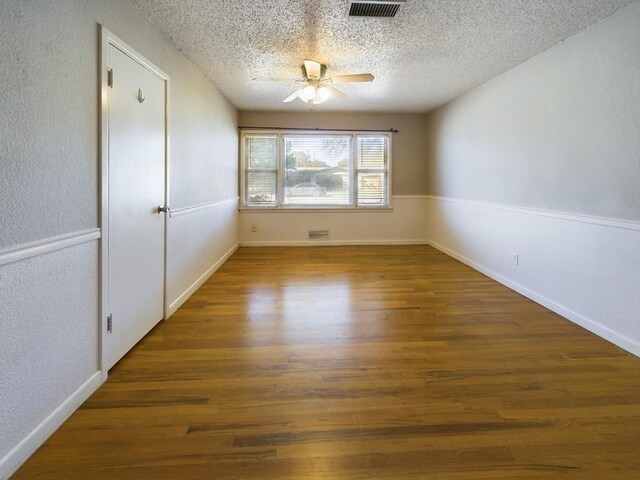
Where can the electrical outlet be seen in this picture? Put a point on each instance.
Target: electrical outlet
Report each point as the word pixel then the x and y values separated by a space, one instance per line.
pixel 254 228
pixel 516 259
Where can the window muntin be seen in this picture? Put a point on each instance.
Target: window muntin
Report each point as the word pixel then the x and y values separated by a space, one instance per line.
pixel 283 169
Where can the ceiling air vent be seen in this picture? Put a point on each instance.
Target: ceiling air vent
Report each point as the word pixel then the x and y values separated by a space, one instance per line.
pixel 374 8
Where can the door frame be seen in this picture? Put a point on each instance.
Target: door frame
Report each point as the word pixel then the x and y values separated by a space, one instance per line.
pixel 109 39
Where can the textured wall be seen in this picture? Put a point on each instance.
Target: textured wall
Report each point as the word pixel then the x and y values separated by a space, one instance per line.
pixel 48 335
pixel 408 146
pixel 48 125
pixel 49 121
pixel 49 186
pixel 559 132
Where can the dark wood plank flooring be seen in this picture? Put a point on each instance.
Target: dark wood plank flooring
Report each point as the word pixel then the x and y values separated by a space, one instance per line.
pixel 392 362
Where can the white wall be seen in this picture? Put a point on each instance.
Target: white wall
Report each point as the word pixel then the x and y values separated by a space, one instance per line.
pixel 559 132
pixel 200 239
pixel 49 263
pixel 584 268
pixel 404 223
pixel 557 138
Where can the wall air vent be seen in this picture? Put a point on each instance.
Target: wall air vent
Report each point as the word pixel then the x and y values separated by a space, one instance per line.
pixel 318 234
pixel 374 8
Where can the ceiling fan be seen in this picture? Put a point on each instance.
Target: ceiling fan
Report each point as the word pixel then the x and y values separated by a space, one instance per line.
pixel 316 87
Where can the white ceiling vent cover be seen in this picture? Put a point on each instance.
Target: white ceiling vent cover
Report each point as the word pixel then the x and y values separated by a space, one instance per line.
pixel 374 8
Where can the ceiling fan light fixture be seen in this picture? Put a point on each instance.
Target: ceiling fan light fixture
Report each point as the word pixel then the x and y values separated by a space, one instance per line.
pixel 293 96
pixel 307 93
pixel 322 95
pixel 315 86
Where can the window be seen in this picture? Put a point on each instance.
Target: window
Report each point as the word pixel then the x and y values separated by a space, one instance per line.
pixel 261 169
pixel 282 169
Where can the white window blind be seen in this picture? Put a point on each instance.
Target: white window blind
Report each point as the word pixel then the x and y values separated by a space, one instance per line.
pixel 317 169
pixel 372 169
pixel 261 170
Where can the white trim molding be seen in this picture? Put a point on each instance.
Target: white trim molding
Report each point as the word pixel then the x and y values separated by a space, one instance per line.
pixel 331 243
pixel 411 197
pixel 195 208
pixel 573 217
pixel 315 210
pixel 294 209
pixel 21 452
pixel 28 250
pixel 175 305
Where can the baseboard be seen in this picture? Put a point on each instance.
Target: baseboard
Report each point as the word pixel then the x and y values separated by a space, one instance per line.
pixel 328 243
pixel 620 340
pixel 177 303
pixel 21 452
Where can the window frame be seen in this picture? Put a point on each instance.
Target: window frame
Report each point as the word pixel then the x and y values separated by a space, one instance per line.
pixel 280 187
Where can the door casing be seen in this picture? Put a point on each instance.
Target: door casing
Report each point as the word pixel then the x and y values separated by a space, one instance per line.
pixel 108 38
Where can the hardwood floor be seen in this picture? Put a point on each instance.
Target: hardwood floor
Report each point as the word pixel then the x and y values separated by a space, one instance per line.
pixel 357 363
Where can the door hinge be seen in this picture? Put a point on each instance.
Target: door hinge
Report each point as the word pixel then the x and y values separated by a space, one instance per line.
pixel 110 77
pixel 110 323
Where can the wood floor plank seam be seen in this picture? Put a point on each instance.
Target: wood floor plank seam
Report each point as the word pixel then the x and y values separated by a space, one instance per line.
pixel 367 362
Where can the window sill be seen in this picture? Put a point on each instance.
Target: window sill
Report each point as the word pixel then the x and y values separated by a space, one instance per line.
pixel 314 210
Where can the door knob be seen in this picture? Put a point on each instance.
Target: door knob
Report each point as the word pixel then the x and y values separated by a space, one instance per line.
pixel 164 209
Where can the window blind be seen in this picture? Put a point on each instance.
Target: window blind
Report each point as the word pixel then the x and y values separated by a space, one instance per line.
pixel 372 169
pixel 261 170
pixel 317 169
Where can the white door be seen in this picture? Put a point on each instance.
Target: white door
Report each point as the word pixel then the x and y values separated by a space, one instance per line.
pixel 136 187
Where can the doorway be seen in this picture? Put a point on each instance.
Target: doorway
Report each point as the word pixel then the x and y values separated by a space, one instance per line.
pixel 134 197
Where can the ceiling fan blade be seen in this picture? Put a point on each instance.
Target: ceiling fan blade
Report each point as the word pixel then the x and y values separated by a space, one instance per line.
pixel 358 77
pixel 313 69
pixel 292 97
pixel 336 91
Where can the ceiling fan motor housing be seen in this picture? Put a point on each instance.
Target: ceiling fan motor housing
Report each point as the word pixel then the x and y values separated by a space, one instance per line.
pixel 323 71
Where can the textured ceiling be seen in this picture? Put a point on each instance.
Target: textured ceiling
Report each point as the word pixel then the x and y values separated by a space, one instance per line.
pixel 433 51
